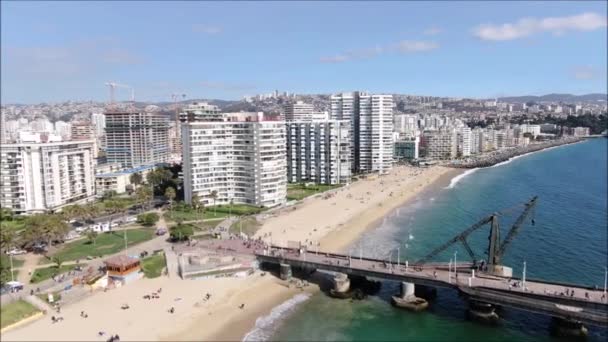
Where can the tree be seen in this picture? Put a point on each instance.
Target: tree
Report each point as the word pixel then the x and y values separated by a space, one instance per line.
pixel 214 197
pixel 181 232
pixel 45 227
pixel 143 195
pixel 147 219
pixel 113 207
pixel 197 204
pixel 92 236
pixel 136 178
pixel 73 212
pixel 8 238
pixel 170 194
pixel 6 214
pixel 108 195
pixel 58 262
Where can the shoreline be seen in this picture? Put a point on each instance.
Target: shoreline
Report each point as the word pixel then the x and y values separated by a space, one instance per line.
pixel 497 158
pixel 342 237
pixel 334 221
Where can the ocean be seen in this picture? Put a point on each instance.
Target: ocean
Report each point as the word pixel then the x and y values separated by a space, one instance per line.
pixel 568 243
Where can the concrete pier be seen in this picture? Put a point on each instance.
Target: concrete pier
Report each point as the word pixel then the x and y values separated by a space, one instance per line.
pixel 341 283
pixel 285 271
pixel 482 312
pixel 568 328
pixel 407 298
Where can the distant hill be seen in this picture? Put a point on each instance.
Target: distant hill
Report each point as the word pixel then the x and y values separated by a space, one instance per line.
pixel 557 98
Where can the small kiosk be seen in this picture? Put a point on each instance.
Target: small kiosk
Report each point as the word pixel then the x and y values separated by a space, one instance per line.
pixel 122 269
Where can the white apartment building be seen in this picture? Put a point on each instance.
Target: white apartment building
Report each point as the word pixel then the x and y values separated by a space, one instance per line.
pixel 406 125
pixel 525 128
pixel 318 151
pixel 440 144
pixel 298 111
pixel 37 177
pixel 241 161
pixel 476 136
pixel 200 111
pixel 137 138
pixel 371 120
pixel 64 129
pixel 464 141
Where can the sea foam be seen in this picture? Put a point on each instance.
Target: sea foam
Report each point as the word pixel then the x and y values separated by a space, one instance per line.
pixel 457 179
pixel 264 326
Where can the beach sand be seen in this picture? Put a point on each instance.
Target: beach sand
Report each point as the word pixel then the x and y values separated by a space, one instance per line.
pixel 334 222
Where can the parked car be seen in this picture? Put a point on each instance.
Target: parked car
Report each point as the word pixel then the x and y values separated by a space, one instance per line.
pixel 130 219
pixel 16 251
pixel 13 286
pixel 161 231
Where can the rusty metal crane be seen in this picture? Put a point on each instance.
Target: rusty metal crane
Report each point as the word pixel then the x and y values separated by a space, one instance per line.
pixel 495 249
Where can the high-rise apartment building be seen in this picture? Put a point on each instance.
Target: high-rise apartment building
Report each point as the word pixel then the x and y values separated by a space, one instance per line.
pixel 464 141
pixel 200 111
pixel 239 161
pixel 440 144
pixel 82 130
pixel 298 111
pixel 136 138
pixel 371 120
pixel 63 129
pixel 36 177
pixel 406 125
pixel 318 151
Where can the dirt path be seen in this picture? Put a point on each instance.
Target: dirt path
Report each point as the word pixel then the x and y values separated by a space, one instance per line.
pixel 30 264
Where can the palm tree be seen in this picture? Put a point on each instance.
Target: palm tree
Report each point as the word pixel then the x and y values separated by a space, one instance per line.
pixel 92 236
pixel 136 178
pixel 214 197
pixel 6 214
pixel 170 195
pixel 114 207
pixel 230 207
pixel 58 262
pixel 8 237
pixel 72 212
pixel 45 227
pixel 143 195
pixel 197 204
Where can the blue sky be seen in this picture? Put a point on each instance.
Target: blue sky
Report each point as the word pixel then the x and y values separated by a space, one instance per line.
pixel 68 50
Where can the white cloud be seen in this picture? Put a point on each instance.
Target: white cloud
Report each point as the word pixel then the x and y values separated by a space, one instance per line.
pixel 432 31
pixel 408 46
pixel 529 26
pixel 404 46
pixel 335 59
pixel 588 72
pixel 206 29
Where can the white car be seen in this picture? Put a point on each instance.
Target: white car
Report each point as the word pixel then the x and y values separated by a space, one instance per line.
pixel 16 251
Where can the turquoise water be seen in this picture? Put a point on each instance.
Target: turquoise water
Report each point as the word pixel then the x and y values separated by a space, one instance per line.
pixel 567 243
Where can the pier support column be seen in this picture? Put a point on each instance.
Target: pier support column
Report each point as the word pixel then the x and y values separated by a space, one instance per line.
pixel 341 283
pixel 568 328
pixel 285 272
pixel 407 298
pixel 482 312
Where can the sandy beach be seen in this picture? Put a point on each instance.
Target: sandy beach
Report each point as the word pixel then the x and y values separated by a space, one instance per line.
pixel 329 223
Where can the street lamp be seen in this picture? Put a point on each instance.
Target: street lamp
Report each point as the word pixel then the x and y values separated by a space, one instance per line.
pixel 398 255
pixel 523 283
pixel 605 278
pixel 450 271
pixel 455 268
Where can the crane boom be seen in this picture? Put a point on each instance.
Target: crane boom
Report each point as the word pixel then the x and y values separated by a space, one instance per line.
pixel 459 237
pixel 515 228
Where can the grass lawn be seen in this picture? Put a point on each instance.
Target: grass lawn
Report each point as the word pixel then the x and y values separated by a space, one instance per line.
pixel 5 260
pixel 247 225
pixel 153 265
pixel 16 311
pixel 106 244
pixel 299 191
pixel 193 215
pixel 235 209
pixel 42 274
